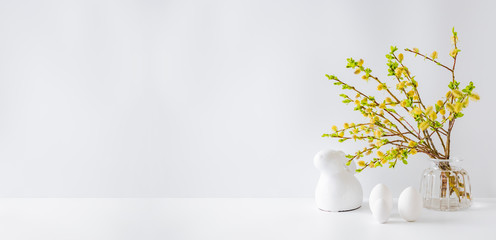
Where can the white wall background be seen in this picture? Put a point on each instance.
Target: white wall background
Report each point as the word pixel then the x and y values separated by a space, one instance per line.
pixel 215 98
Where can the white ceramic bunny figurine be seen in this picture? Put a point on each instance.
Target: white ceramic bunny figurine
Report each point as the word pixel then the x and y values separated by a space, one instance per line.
pixel 338 189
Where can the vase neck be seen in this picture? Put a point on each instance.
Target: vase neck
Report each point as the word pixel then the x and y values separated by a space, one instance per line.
pixel 445 164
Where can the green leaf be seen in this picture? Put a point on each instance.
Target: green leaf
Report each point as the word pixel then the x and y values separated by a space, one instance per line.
pixel 393 49
pixel 351 63
pixel 468 89
pixel 405 162
pixel 453 85
pixel 331 77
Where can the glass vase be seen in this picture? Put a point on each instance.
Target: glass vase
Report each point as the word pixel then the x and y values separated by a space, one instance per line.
pixel 445 186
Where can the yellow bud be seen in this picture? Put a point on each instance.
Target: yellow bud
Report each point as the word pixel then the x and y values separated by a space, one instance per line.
pixel 403 103
pixel 371 165
pixel 439 103
pixel 412 144
pixel 383 161
pixel 429 110
pixel 448 94
pixel 346 125
pixel 362 127
pixel 475 96
pixel 364 77
pixel 380 87
pixel 411 93
pixel 377 133
pixel 453 52
pixel 334 128
pixel 434 55
pixel 368 152
pixel 358 95
pixel 378 143
pixel 388 100
pixel 400 86
pixel 415 98
pixel 416 50
pixel 382 105
pixel 412 112
pixel 341 134
pixel 381 112
pixel 398 71
pixel 355 137
pixel 352 124
pixel 457 93
pixel 357 102
pixel 357 71
pixel 380 154
pixel 450 107
pixel 360 62
pixel 442 111
pixel 355 131
pixel 465 102
pixel 454 39
pixel 458 107
pixel 417 111
pixel 433 115
pixel 423 126
pixel 400 57
pixel 413 151
pixel 361 163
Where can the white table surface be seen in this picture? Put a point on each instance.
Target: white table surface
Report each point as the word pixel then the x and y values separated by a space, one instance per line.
pixel 227 218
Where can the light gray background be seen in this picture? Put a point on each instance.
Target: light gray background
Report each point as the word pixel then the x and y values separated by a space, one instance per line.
pixel 216 98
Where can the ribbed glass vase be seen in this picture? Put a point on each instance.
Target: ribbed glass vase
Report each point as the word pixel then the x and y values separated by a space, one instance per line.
pixel 445 186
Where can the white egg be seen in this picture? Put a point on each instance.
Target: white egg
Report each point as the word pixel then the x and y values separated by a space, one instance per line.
pixel 381 191
pixel 410 204
pixel 381 211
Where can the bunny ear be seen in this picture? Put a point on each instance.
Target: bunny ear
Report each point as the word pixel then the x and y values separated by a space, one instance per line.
pixel 352 167
pixel 342 155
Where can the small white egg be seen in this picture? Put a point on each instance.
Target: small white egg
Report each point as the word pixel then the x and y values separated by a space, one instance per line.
pixel 410 204
pixel 381 191
pixel 381 211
